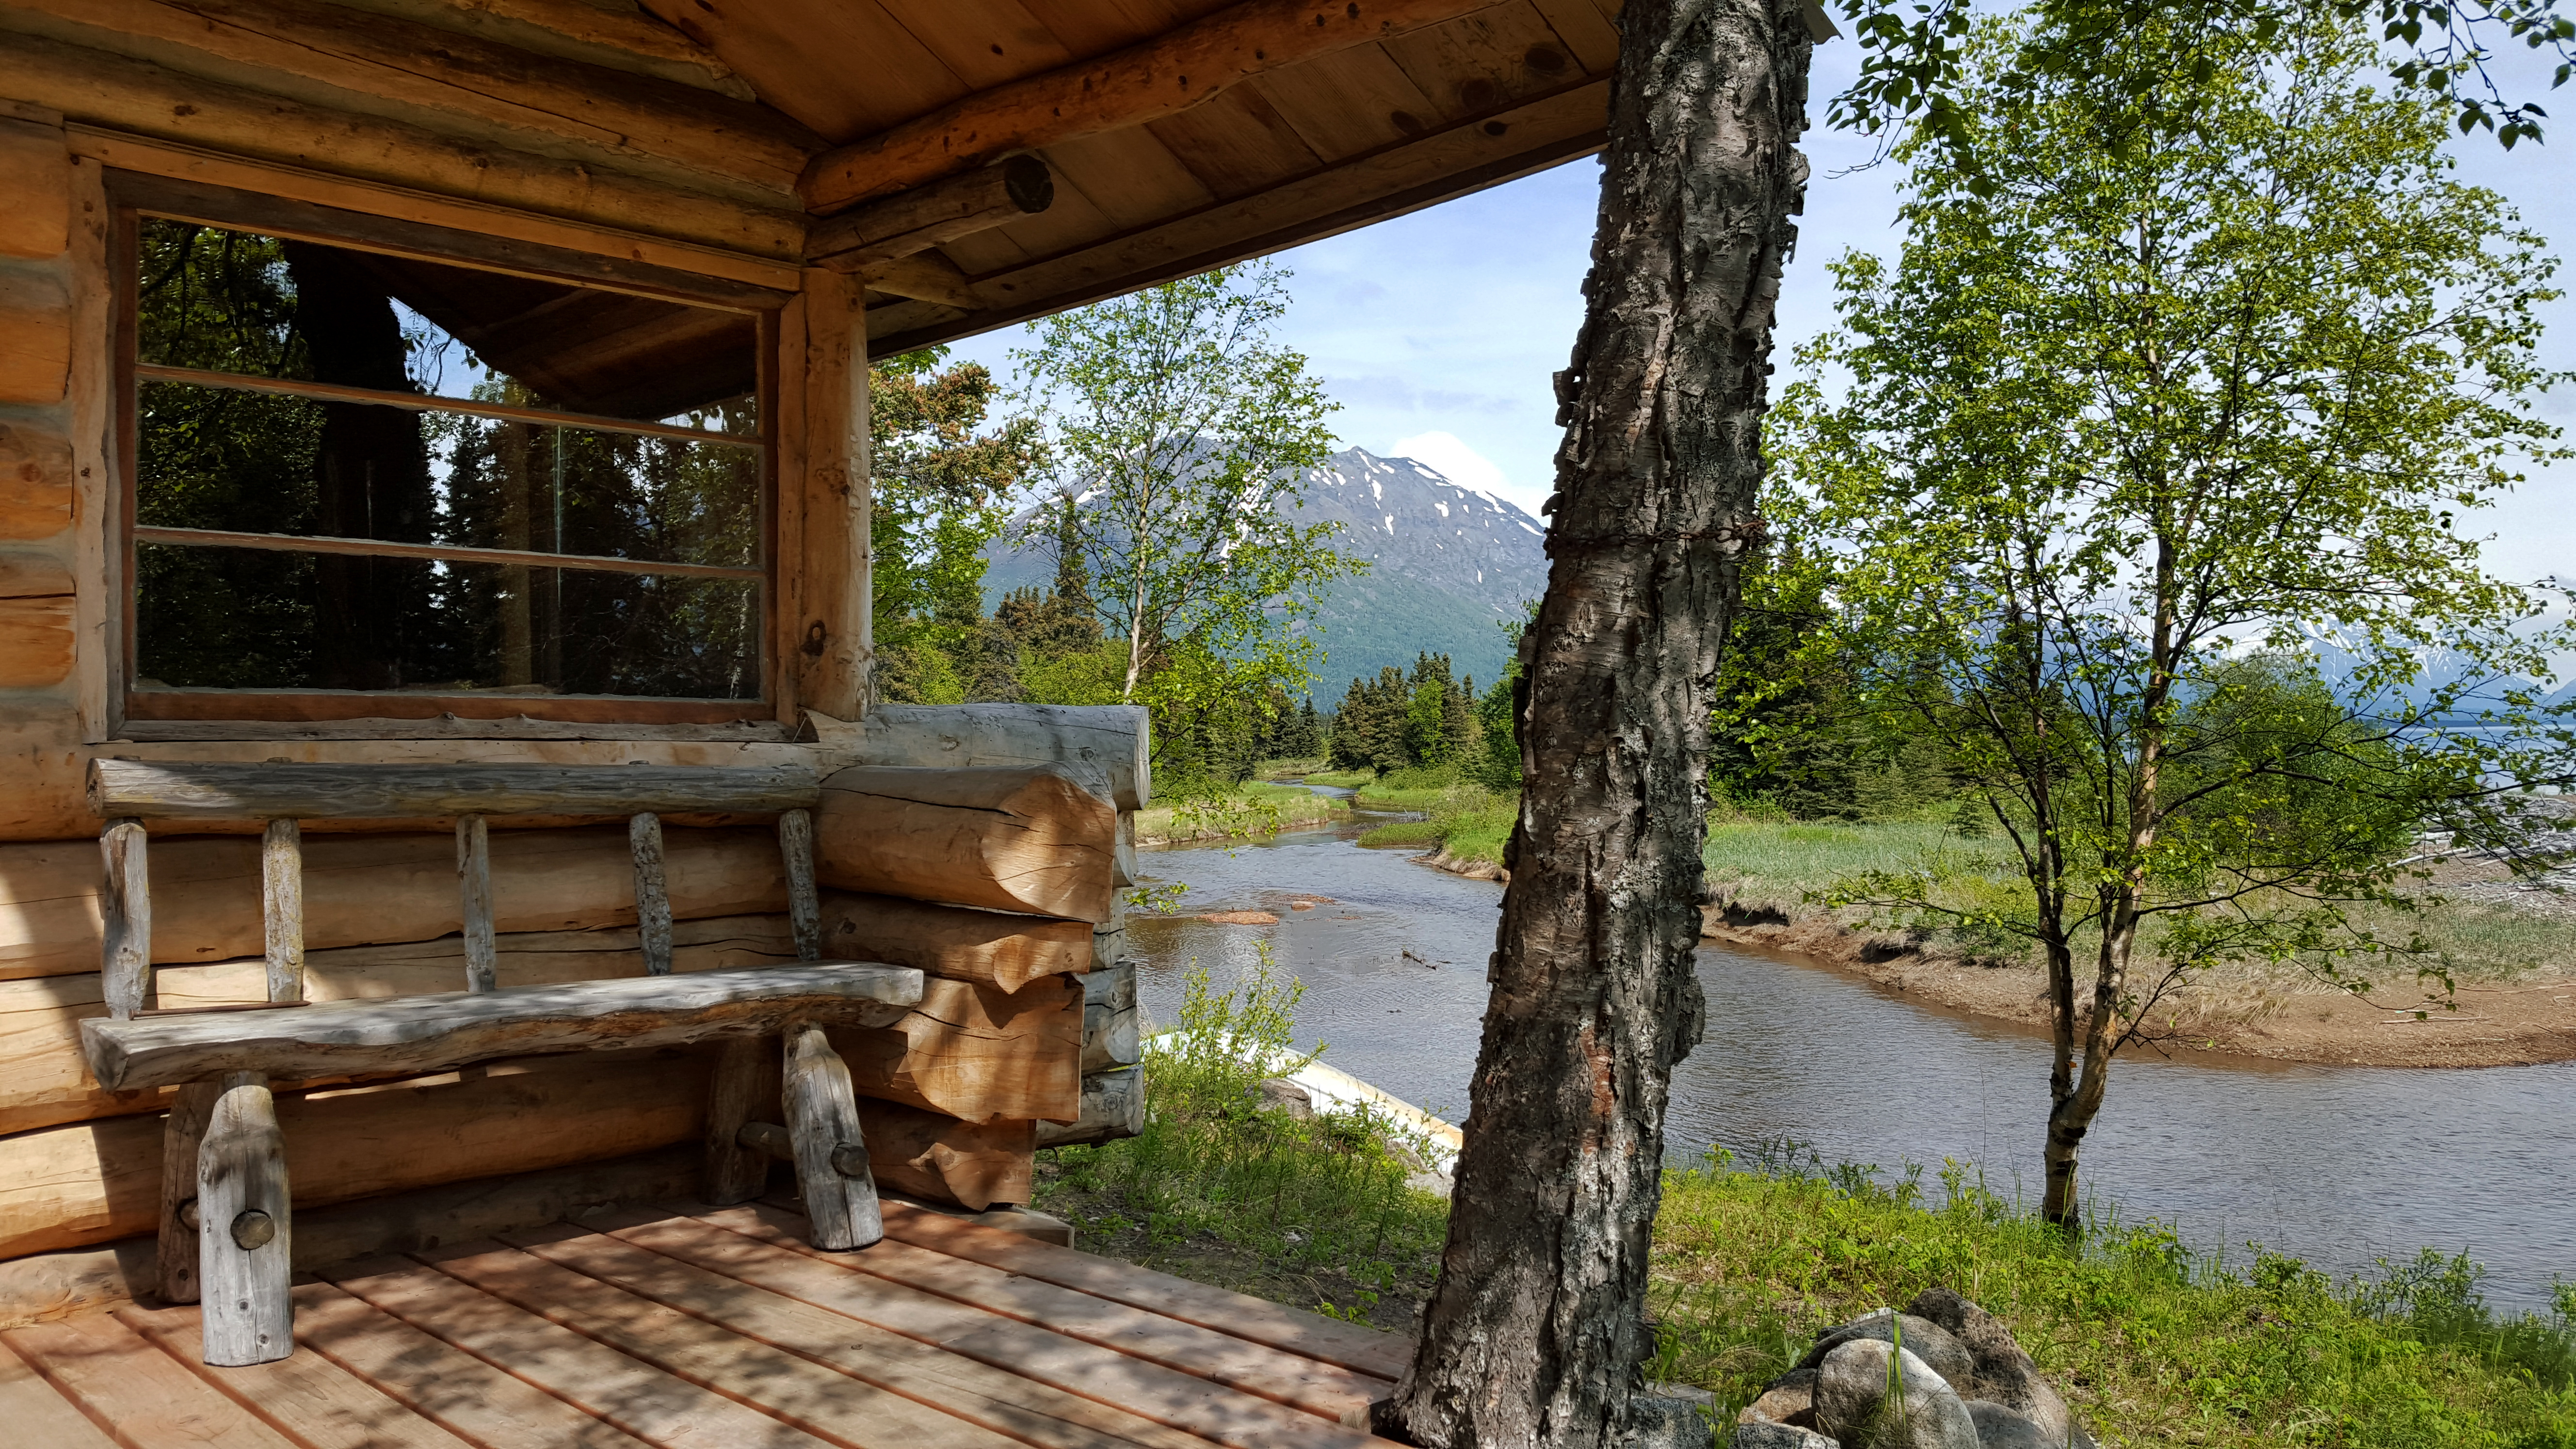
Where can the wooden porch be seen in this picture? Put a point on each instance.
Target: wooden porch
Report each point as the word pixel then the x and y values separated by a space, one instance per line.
pixel 688 1327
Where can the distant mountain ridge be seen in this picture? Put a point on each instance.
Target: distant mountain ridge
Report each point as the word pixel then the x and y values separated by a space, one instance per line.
pixel 1450 565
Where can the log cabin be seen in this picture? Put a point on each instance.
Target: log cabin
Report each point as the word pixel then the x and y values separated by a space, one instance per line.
pixel 445 796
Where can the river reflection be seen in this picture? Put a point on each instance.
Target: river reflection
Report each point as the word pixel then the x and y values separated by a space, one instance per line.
pixel 2336 1165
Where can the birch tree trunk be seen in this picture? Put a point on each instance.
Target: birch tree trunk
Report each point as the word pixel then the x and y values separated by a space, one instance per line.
pixel 1535 1332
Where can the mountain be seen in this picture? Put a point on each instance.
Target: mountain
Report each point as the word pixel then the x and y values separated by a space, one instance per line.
pixel 1449 566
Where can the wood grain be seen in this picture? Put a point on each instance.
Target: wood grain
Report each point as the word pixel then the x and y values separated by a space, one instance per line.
pixel 281 899
pixel 1160 77
pixel 1031 1412
pixel 245 1228
pixel 432 1033
pixel 652 893
pixel 1114 738
pixel 743 1086
pixel 474 897
pixel 988 947
pixel 35 480
pixel 321 1404
pixel 823 1128
pixel 1113 1106
pixel 1256 1320
pixel 442 1383
pixel 170 790
pixel 932 1155
pixel 155 1401
pixel 37 1414
pixel 1034 841
pixel 36 634
pixel 125 918
pixel 794 1390
pixel 183 1132
pixel 907 222
pixel 976 1053
pixel 1109 1019
pixel 804 903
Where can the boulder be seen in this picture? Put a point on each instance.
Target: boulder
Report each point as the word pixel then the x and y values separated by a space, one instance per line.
pixel 1791 1399
pixel 1998 1372
pixel 1778 1436
pixel 1285 1095
pixel 2002 1428
pixel 1922 1337
pixel 1855 1407
pixel 1656 1421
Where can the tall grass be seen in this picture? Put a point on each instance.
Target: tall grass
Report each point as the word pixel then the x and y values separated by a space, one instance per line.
pixel 1253 808
pixel 1319 1197
pixel 1461 816
pixel 2154 1343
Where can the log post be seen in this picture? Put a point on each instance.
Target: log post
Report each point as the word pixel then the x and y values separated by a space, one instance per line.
pixel 281 907
pixel 474 885
pixel 744 1087
pixel 126 908
pixel 244 1237
pixel 926 216
pixel 804 902
pixel 831 1153
pixel 182 1133
pixel 652 893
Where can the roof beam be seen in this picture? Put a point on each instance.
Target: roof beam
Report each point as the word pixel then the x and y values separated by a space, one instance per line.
pixel 915 221
pixel 1145 82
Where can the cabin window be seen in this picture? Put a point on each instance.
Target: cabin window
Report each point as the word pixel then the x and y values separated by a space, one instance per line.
pixel 361 478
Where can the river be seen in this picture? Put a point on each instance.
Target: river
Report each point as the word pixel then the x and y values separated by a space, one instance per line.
pixel 2336 1165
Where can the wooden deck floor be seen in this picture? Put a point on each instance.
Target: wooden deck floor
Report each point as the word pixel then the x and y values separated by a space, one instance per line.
pixel 706 1328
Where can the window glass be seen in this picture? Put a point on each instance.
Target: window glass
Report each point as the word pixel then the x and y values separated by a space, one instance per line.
pixel 524 416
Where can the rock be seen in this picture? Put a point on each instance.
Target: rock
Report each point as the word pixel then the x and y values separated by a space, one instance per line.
pixel 1778 1436
pixel 1999 1371
pixel 1285 1095
pixel 1854 1407
pixel 2001 1428
pixel 1791 1399
pixel 1656 1421
pixel 1924 1338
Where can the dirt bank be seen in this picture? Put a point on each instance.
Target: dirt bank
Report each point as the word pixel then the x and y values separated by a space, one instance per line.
pixel 2517 1024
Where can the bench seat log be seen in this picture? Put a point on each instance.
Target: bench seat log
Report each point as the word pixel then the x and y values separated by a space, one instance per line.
pixel 141 790
pixel 453 1029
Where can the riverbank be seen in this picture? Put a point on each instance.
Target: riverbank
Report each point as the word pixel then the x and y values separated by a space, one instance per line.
pixel 2512 954
pixel 1249 811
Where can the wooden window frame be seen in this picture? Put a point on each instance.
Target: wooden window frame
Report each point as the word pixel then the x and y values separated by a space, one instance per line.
pixel 135 195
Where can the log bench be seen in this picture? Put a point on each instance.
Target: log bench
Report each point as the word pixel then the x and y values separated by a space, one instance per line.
pixel 225 1225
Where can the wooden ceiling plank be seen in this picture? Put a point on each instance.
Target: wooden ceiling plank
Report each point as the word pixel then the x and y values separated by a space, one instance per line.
pixel 906 317
pixel 986 252
pixel 1133 178
pixel 619 39
pixel 1236 144
pixel 1479 64
pixel 1127 88
pixel 1448 163
pixel 1347 104
pixel 1097 27
pixel 379 58
pixel 984 42
pixel 1074 221
pixel 1591 38
pixel 843 67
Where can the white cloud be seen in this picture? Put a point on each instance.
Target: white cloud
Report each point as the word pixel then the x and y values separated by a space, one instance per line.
pixel 1449 454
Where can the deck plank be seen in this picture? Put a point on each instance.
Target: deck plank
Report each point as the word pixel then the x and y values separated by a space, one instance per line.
pixel 1023 1408
pixel 798 1391
pixel 1324 1389
pixel 36 1414
pixel 1308 1335
pixel 154 1400
pixel 442 1383
pixel 304 1396
pixel 666 1412
pixel 1183 1401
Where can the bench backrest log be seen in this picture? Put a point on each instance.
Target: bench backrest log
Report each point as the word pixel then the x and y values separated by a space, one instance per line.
pixel 128 792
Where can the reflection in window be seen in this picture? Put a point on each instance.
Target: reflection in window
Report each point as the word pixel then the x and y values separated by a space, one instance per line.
pixel 339 454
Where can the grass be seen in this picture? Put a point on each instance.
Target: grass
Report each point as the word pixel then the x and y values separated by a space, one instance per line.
pixel 1314 1212
pixel 1255 807
pixel 1340 779
pixel 2154 1344
pixel 1462 817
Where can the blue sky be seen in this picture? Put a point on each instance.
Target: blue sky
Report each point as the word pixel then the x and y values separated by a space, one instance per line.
pixel 1438 332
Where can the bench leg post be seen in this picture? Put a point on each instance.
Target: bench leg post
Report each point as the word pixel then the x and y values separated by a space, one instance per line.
pixel 243 1237
pixel 745 1088
pixel 181 1135
pixel 831 1156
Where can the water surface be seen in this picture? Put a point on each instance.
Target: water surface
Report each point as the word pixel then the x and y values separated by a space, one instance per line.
pixel 2338 1165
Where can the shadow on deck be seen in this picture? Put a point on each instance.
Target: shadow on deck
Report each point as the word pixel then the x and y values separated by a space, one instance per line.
pixel 694 1328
